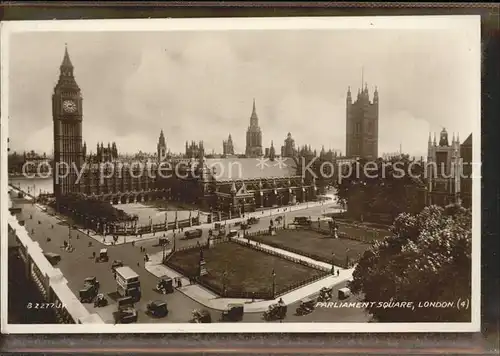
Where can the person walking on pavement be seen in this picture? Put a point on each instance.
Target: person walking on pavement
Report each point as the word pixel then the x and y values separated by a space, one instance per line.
pixel 338 273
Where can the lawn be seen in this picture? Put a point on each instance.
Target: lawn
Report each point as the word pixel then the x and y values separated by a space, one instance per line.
pixel 360 232
pixel 315 245
pixel 247 270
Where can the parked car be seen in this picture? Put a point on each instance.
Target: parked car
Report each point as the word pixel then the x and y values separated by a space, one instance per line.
pixel 306 306
pixel 344 293
pixel 232 233
pixel 233 312
pixel 275 312
pixel 103 256
pixel 165 285
pixel 302 220
pixel 157 308
pixel 126 311
pixel 193 234
pixel 90 290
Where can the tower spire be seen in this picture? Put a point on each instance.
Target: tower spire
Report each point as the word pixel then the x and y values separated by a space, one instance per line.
pixel 362 77
pixel 66 63
pixel 254 120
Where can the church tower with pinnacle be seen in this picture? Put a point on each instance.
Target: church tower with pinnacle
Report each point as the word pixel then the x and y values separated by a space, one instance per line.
pixel 254 136
pixel 362 124
pixel 67 116
pixel 161 147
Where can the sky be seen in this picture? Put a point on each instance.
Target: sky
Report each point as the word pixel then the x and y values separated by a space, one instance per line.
pixel 199 85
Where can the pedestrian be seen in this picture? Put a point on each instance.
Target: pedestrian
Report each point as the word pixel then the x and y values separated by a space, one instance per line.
pixel 93 254
pixel 338 273
pixel 133 243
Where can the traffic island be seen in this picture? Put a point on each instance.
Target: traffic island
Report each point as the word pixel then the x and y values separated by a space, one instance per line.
pixel 233 269
pixel 318 246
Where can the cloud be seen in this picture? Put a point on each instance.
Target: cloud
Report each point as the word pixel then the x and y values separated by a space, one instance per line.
pixel 200 86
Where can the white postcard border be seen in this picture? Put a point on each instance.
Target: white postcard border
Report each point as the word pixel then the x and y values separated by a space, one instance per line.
pixel 221 24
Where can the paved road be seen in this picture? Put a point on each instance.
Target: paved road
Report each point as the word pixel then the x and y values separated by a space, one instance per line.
pixel 79 264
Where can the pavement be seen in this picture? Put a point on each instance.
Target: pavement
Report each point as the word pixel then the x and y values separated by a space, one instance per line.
pixel 291 210
pixel 78 265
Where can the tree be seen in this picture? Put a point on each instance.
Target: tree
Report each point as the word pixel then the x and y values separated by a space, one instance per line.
pixel 382 187
pixel 427 259
pixel 94 209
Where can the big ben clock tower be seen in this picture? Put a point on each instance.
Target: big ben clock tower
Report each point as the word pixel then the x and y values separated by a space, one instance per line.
pixel 67 116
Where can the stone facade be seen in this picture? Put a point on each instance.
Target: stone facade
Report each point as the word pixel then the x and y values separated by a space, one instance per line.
pixel 443 170
pixel 362 125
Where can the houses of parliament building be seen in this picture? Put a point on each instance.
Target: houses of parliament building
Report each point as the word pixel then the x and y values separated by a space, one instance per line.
pixel 106 177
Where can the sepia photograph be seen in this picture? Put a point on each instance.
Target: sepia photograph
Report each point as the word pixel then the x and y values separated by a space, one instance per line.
pixel 241 175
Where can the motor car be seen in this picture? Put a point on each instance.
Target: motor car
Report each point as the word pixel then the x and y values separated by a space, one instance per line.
pixel 233 312
pixel 157 308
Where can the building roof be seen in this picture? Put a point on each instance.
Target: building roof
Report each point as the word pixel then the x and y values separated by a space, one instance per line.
pixel 250 168
pixel 468 141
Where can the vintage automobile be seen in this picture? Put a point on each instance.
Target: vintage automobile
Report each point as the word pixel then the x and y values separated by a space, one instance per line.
pixel 243 226
pixel 103 256
pixel 232 233
pixel 275 312
pixel 100 301
pixel 233 312
pixel 278 219
pixel 306 306
pixel 344 293
pixel 116 264
pixel 90 290
pixel 302 220
pixel 193 234
pixel 162 241
pixel 157 308
pixel 325 294
pixel 165 285
pixel 53 258
pixel 252 221
pixel 201 316
pixel 126 311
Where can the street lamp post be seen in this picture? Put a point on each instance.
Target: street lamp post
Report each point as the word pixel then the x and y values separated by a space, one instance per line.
pixel 347 257
pixel 333 263
pixel 274 283
pixel 224 281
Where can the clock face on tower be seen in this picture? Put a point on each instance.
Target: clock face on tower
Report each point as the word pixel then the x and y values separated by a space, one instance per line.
pixel 69 106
